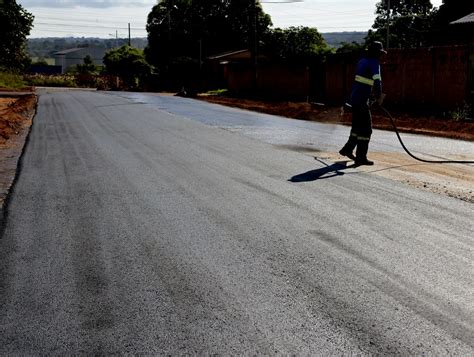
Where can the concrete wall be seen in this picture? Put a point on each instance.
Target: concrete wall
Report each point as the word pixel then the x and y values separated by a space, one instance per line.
pixel 280 81
pixel 276 81
pixel 339 71
pixel 436 78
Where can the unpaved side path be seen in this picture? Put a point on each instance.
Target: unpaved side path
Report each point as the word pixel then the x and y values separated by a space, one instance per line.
pixel 454 180
pixel 16 116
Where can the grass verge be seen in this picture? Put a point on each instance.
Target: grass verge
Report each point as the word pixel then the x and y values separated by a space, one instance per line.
pixel 11 80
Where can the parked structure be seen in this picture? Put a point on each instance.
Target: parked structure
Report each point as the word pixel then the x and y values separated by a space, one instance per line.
pixel 73 56
pixel 462 30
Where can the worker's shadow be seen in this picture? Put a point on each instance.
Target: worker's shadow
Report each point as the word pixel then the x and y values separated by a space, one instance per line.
pixel 323 173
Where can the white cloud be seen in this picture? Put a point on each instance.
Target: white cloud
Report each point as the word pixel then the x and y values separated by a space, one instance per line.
pixel 86 3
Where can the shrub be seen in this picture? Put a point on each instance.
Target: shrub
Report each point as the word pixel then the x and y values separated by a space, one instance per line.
pixel 42 80
pixel 460 113
pixel 218 92
pixel 11 80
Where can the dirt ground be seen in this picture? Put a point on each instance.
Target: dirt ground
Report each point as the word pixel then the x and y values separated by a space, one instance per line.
pixel 454 180
pixel 16 113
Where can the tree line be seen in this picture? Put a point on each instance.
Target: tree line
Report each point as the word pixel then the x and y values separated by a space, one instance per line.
pixel 46 47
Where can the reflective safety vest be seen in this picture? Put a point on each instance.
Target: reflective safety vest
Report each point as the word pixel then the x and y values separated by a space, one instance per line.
pixel 367 78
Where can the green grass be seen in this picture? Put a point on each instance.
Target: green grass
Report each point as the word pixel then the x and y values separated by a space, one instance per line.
pixel 11 81
pixel 460 113
pixel 217 92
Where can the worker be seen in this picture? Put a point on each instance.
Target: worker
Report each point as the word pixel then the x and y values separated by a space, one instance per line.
pixel 367 85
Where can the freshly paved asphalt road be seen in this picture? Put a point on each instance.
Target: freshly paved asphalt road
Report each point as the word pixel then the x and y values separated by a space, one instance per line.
pixel 135 230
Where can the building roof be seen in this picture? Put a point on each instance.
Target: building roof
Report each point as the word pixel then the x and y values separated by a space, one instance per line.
pixel 469 19
pixel 231 55
pixel 63 52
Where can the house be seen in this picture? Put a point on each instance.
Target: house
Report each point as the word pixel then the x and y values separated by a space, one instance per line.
pixel 73 56
pixel 466 20
pixel 463 29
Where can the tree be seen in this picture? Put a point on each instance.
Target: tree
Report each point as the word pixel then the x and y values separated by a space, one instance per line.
pixel 452 10
pixel 295 44
pixel 86 73
pixel 353 47
pixel 129 64
pixel 183 32
pixel 15 25
pixel 409 23
pixel 87 67
pixel 449 11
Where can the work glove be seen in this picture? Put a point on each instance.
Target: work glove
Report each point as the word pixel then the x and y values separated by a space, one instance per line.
pixel 379 100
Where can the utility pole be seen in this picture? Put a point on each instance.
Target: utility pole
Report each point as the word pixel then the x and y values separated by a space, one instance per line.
pixel 129 38
pixel 116 37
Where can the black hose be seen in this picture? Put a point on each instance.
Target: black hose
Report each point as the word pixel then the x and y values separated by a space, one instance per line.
pixel 415 157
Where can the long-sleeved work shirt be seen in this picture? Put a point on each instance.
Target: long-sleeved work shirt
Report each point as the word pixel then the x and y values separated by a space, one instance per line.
pixel 367 77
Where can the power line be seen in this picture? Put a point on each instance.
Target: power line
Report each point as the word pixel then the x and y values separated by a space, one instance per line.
pixel 72 19
pixel 90 26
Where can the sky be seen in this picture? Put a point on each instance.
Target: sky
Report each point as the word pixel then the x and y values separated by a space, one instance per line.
pixel 110 18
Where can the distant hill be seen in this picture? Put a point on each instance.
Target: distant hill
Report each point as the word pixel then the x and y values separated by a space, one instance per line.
pixel 47 46
pixel 334 39
pixel 43 48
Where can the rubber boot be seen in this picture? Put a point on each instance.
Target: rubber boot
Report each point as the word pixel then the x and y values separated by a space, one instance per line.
pixel 361 153
pixel 349 147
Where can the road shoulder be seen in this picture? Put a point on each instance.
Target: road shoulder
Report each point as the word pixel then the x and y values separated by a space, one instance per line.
pixel 453 180
pixel 16 117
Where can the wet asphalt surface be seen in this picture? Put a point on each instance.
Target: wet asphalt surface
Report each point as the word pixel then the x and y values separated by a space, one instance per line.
pixel 299 135
pixel 148 224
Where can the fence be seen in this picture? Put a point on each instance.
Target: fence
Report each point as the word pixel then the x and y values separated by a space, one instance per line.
pixel 436 78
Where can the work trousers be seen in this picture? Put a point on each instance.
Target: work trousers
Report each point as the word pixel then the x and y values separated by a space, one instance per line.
pixel 361 130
